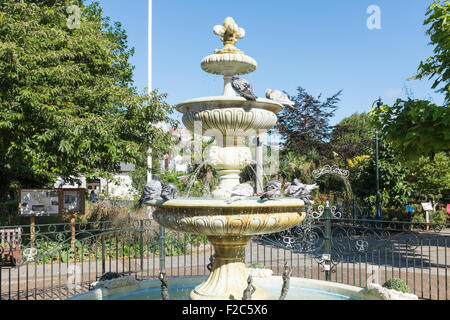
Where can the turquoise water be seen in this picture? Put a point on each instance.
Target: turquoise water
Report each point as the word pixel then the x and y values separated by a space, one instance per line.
pixel 180 288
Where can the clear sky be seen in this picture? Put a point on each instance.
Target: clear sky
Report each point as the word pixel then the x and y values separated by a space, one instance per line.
pixel 323 46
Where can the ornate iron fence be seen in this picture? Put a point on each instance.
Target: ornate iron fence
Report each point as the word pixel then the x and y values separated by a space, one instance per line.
pixel 330 246
pixel 57 261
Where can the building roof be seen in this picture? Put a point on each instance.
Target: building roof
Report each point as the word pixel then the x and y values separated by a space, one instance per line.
pixel 127 167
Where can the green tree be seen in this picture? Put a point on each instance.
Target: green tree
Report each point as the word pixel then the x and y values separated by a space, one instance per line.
pixel 307 127
pixel 395 188
pixel 430 178
pixel 414 128
pixel 438 66
pixel 352 137
pixel 67 101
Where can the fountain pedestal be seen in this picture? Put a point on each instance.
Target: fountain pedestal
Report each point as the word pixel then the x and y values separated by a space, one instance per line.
pixel 228 278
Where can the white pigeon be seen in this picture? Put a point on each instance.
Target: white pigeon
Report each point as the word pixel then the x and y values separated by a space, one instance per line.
pixel 243 88
pixel 279 97
pixel 241 192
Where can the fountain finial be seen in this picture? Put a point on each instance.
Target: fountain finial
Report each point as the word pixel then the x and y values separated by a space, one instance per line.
pixel 229 32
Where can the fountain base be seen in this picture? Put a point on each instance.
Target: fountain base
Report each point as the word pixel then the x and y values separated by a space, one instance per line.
pixel 228 278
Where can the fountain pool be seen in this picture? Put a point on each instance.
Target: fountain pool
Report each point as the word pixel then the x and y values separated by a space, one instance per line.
pixel 180 288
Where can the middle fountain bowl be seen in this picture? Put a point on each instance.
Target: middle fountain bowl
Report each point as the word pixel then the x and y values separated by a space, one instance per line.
pixel 229 120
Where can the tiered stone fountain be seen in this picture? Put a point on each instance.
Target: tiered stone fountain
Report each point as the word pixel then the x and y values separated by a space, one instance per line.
pixel 228 227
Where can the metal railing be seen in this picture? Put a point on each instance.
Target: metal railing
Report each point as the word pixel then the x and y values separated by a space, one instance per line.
pixel 57 261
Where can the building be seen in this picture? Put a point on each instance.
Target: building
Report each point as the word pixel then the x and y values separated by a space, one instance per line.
pixel 120 187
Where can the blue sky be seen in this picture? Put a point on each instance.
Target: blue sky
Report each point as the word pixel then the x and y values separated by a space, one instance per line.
pixel 323 46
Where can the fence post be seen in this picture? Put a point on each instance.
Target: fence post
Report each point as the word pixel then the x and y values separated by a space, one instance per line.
pixel 141 244
pixel 353 211
pixel 327 238
pixel 103 249
pixel 162 252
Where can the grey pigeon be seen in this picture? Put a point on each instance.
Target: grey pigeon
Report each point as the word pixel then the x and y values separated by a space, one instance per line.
pixel 272 190
pixel 169 191
pixel 279 97
pixel 301 191
pixel 241 192
pixel 151 191
pixel 243 88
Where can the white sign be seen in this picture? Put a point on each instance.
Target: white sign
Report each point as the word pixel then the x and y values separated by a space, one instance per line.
pixel 427 206
pixel 39 202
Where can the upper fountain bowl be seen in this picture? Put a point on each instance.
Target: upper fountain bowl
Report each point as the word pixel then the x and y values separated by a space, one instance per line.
pixel 228 64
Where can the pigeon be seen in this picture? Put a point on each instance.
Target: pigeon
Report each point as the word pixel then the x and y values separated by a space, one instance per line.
pixel 272 190
pixel 151 191
pixel 279 97
pixel 243 88
pixel 169 191
pixel 241 192
pixel 301 191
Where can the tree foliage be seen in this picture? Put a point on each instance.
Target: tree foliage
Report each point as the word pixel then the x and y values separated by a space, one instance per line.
pixel 414 127
pixel 438 66
pixel 67 101
pixel 430 178
pixel 395 189
pixel 307 127
pixel 352 137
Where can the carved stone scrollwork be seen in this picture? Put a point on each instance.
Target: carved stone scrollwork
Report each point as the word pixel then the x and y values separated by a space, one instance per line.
pixel 334 170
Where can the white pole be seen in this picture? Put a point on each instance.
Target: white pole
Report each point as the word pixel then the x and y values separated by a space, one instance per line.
pixel 149 81
pixel 259 163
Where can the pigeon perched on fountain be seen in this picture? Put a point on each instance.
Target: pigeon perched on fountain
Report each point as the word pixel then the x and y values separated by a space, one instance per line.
pixel 272 190
pixel 151 191
pixel 169 191
pixel 242 191
pixel 299 190
pixel 243 88
pixel 279 97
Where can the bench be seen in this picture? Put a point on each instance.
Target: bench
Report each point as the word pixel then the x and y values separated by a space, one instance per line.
pixel 10 245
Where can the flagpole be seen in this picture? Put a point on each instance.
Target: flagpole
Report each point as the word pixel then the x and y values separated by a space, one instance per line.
pixel 149 81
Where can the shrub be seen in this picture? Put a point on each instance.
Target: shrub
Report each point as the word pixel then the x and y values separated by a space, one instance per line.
pixel 173 244
pixel 439 216
pixel 257 266
pixel 396 284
